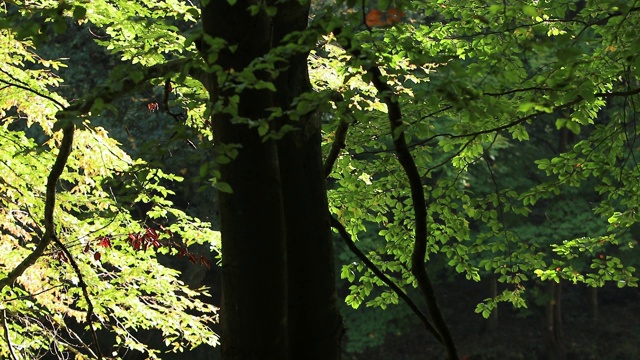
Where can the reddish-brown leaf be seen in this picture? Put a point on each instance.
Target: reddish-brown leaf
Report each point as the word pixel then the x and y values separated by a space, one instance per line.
pixel 374 18
pixel 204 261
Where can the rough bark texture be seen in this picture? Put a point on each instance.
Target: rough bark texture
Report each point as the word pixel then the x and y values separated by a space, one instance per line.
pixel 315 326
pixel 253 309
pixel 279 296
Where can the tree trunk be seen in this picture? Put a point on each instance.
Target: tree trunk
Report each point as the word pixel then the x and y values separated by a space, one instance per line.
pixel 253 309
pixel 315 326
pixel 493 289
pixel 593 302
pixel 279 296
pixel 553 330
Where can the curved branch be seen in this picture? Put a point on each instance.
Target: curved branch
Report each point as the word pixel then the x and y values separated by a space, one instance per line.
pixel 85 293
pixel 22 85
pixel 337 146
pixel 49 206
pixel 5 326
pixel 405 159
pixel 401 294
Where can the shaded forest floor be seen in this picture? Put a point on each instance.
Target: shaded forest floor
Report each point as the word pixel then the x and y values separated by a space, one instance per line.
pixel 613 335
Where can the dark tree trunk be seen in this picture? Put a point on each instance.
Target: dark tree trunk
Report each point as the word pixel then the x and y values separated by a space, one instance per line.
pixel 314 323
pixel 553 330
pixel 253 309
pixel 493 289
pixel 279 296
pixel 593 302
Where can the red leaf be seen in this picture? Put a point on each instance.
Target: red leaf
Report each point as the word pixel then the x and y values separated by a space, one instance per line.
pixel 104 242
pixel 204 261
pixel 152 234
pixel 97 256
pixel 87 247
pixel 374 18
pixel 60 256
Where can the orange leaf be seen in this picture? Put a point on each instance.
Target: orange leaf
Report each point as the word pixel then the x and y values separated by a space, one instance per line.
pixel 374 18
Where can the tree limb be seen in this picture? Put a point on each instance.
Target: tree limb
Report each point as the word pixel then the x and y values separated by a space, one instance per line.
pixel 49 206
pixel 401 294
pixel 337 146
pixel 85 293
pixel 418 255
pixel 5 326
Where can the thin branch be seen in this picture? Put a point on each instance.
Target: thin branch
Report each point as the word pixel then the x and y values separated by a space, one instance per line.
pixel 50 202
pixel 401 294
pixel 449 158
pixel 618 93
pixel 34 294
pixel 85 293
pixel 336 147
pixel 418 255
pixel 5 326
pixel 22 85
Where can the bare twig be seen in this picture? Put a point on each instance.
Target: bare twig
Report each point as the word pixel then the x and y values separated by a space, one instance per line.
pixel 85 293
pixel 5 326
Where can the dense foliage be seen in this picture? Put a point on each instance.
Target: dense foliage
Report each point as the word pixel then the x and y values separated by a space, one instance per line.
pixel 515 120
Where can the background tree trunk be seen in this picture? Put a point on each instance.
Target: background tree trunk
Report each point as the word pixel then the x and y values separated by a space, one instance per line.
pixel 253 309
pixel 493 289
pixel 315 326
pixel 553 333
pixel 279 295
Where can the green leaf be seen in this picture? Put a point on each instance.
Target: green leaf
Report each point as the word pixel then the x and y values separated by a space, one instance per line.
pixel 224 187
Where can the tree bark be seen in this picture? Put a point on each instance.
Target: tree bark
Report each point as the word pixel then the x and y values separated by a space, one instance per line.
pixel 553 333
pixel 315 326
pixel 279 296
pixel 493 289
pixel 253 309
pixel 593 303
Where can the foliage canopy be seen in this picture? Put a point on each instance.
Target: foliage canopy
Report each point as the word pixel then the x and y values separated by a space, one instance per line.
pixel 520 119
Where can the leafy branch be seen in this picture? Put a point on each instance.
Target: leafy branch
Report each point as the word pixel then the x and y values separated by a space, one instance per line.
pixel 337 145
pixel 85 293
pixel 419 206
pixel 107 93
pixel 382 276
pixel 50 202
pixel 5 327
